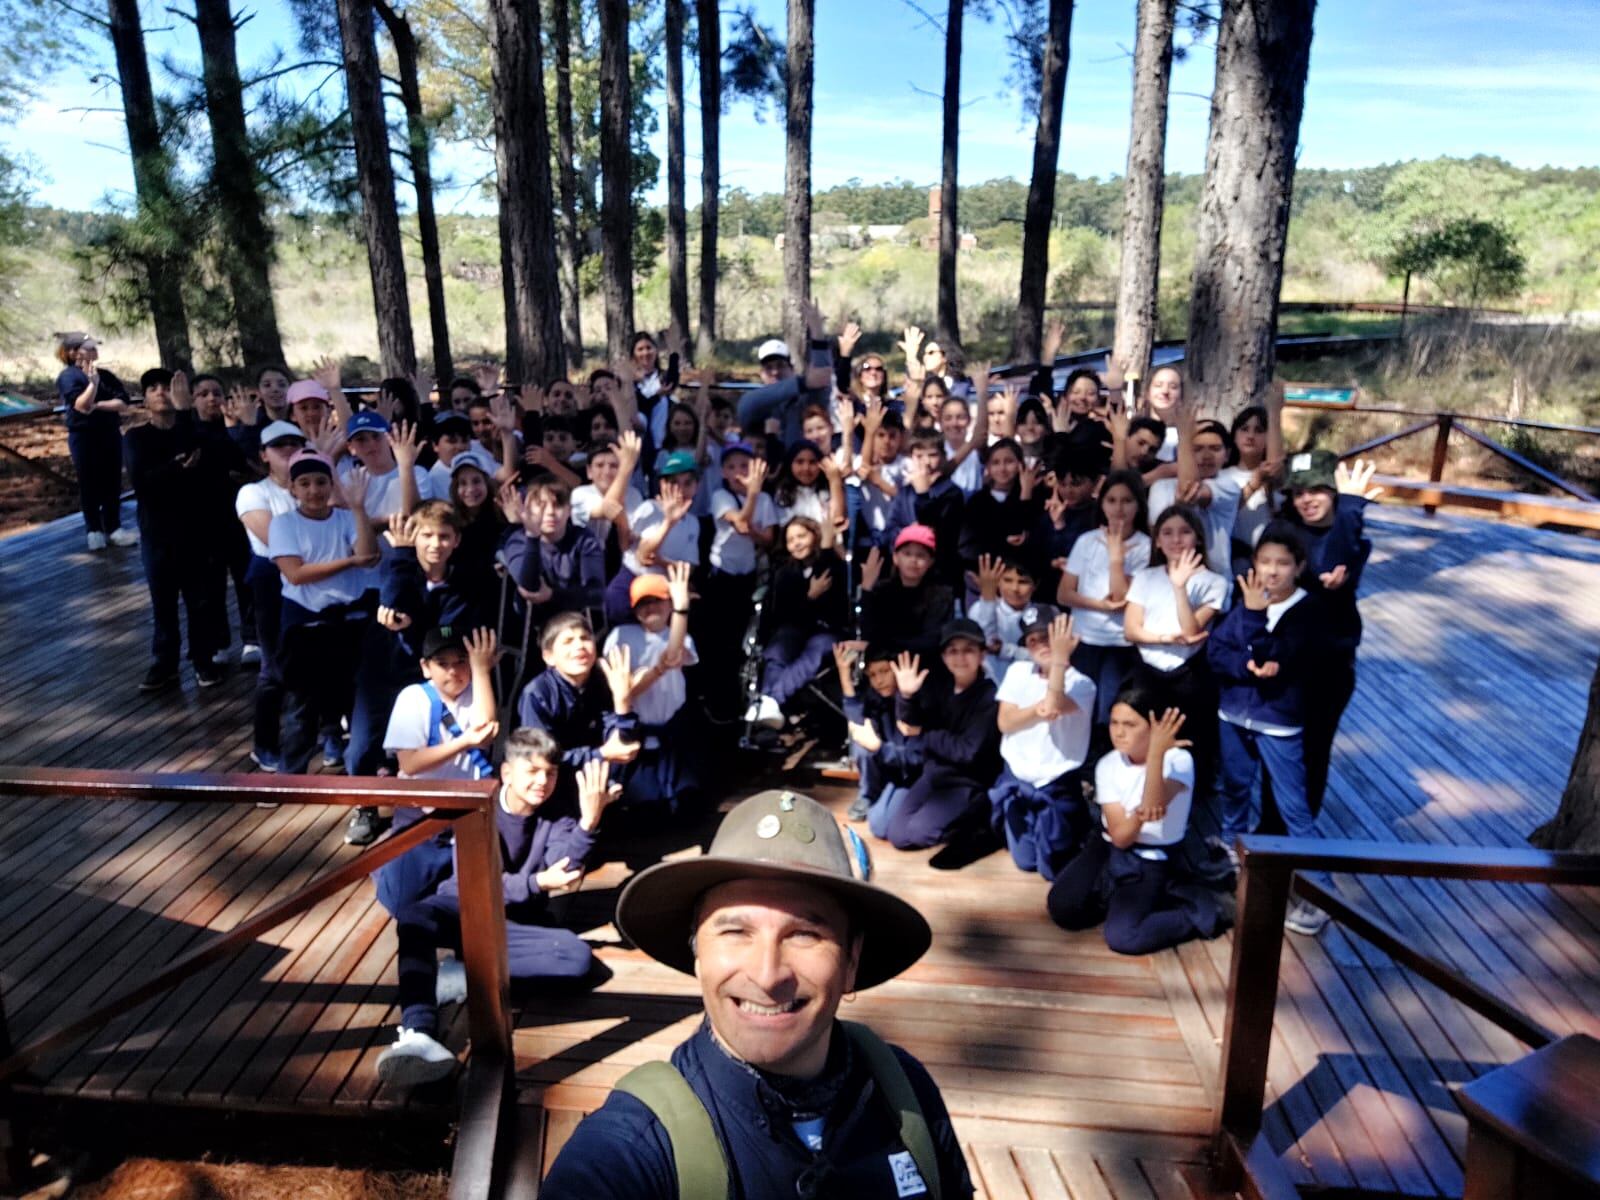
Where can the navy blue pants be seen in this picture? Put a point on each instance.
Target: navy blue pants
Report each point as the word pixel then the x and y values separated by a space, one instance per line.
pixel 792 659
pixel 418 871
pixel 97 458
pixel 1133 896
pixel 266 586
pixel 383 670
pixel 1043 826
pixel 1244 754
pixel 424 927
pixel 320 650
pixel 667 773
pixel 940 797
pixel 186 574
pixel 1109 667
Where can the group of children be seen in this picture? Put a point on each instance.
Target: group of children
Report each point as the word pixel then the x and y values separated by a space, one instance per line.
pixel 1045 621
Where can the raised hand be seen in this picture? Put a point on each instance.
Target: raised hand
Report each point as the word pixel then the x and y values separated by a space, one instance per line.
pixel 629 448
pixel 501 412
pixel 911 343
pixel 873 416
pixel 182 397
pixel 757 476
pixel 1355 479
pixel 1063 641
pixel 595 792
pixel 678 585
pixel 402 530
pixel 530 398
pixel 353 490
pixel 1252 591
pixel 326 372
pixel 675 501
pixel 1113 376
pixel 617 667
pixel 482 649
pixel 1028 479
pixel 849 335
pixel 816 323
pixel 871 569
pixel 845 655
pixel 386 405
pixel 557 876
pixel 403 442
pixel 328 440
pixel 487 376
pixel 1184 568
pixel 510 501
pixel 990 568
pixel 1056 507
pixel 908 674
pixel 1053 335
pixel 243 406
pixel 1164 732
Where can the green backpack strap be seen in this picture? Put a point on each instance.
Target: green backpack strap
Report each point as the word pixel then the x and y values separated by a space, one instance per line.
pixel 902 1098
pixel 697 1154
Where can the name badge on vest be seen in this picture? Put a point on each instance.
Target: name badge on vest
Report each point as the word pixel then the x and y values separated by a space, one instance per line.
pixel 907 1179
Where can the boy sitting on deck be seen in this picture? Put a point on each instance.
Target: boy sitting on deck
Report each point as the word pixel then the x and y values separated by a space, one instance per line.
pixel 441 728
pixel 546 816
pixel 886 760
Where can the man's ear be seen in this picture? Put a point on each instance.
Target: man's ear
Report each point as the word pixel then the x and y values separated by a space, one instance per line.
pixel 857 941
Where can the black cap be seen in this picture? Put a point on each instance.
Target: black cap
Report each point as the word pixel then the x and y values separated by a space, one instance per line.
pixel 1036 618
pixel 962 627
pixel 440 638
pixel 446 419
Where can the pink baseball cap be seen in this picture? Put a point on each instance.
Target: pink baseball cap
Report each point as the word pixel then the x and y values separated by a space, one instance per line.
pixel 917 535
pixel 309 461
pixel 306 389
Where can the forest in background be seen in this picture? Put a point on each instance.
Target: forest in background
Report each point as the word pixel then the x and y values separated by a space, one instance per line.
pixel 1342 230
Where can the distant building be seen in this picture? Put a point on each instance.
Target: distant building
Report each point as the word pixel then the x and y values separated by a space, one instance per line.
pixel 930 240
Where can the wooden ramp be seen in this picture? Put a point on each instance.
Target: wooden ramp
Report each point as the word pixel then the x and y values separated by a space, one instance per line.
pixel 1071 1071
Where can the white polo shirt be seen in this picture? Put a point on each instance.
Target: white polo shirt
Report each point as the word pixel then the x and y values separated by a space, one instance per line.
pixel 1120 781
pixel 1090 563
pixel 1049 749
pixel 1152 591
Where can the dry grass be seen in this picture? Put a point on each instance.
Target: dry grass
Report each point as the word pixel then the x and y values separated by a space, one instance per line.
pixel 154 1179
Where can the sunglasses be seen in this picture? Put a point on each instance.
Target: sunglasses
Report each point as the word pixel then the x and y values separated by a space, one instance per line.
pixel 865 367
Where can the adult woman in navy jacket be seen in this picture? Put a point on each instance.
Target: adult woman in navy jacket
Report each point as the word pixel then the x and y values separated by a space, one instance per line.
pixel 95 401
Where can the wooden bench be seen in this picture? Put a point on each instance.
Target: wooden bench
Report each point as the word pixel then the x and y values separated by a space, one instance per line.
pixel 1532 1127
pixel 1524 506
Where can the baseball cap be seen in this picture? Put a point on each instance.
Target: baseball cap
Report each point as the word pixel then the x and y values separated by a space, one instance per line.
pixel 744 448
pixel 441 638
pixel 1313 469
pixel 457 422
pixel 678 462
pixel 648 587
pixel 308 462
pixel 961 629
pixel 772 348
pixel 365 421
pixel 1036 618
pixel 473 458
pixel 279 431
pixel 306 389
pixel 917 535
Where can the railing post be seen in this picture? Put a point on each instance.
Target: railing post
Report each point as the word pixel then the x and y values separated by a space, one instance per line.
pixel 483 932
pixel 1252 997
pixel 1441 453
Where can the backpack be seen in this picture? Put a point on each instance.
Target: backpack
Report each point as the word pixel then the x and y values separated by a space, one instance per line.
pixel 701 1163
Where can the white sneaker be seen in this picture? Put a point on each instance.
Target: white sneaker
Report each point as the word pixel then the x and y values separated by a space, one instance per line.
pixel 414 1059
pixel 249 654
pixel 451 987
pixel 765 711
pixel 97 541
pixel 1305 918
pixel 223 657
pixel 125 537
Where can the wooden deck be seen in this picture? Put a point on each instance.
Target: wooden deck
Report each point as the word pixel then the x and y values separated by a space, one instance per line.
pixel 1071 1071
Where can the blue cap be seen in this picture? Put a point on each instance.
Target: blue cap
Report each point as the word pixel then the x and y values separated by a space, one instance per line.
pixel 678 462
pixel 366 421
pixel 452 418
pixel 739 448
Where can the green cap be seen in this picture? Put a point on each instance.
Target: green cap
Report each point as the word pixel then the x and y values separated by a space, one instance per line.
pixel 678 462
pixel 1313 469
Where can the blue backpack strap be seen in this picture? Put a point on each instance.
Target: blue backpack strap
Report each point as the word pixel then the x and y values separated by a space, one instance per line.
pixel 441 721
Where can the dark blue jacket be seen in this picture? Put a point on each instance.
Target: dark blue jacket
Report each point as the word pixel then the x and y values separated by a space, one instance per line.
pixel 180 506
pixel 908 618
pixel 900 757
pixel 527 846
pixel 960 731
pixel 1343 543
pixel 69 386
pixel 1240 636
pixel 574 566
pixel 621 1152
pixel 987 525
pixel 403 587
pixel 939 508
pixel 580 719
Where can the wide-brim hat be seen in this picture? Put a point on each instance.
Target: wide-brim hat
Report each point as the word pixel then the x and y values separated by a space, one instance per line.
pixel 778 835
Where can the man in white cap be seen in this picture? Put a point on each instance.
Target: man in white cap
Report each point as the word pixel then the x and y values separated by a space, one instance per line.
pixel 773 1096
pixel 782 392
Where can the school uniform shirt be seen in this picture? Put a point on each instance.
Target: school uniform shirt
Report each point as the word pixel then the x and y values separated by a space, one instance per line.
pixel 1003 624
pixel 732 552
pixel 70 384
pixel 992 518
pixel 875 503
pixel 409 730
pixel 529 843
pixel 1287 633
pixel 968 475
pixel 579 716
pixel 262 496
pixel 179 506
pixel 807 502
pixel 940 509
pixel 1049 749
pixel 574 565
pixel 1117 780
pixel 383 491
pixel 959 729
pixel 666 695
pixel 1090 564
pixel 682 543
pixel 1151 589
pixel 1217 517
pixel 461 600
pixel 1343 543
pixel 293 534
pixel 907 618
pixel 586 499
pixel 1168 450
pixel 439 481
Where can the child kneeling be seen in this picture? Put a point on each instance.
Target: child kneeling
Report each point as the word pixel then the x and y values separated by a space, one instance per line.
pixel 1145 786
pixel 1046 717
pixel 546 821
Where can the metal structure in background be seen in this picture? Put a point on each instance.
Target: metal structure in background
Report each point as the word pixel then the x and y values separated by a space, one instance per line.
pixel 484 1142
pixel 1273 867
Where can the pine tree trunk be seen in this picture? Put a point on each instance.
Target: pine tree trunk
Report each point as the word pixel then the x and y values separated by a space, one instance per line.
pixel 379 216
pixel 522 187
pixel 710 22
pixel 616 179
pixel 159 209
pixel 797 178
pixel 1139 280
pixel 677 219
pixel 1263 49
pixel 568 251
pixel 1028 329
pixel 419 153
pixel 1576 825
pixel 247 239
pixel 949 321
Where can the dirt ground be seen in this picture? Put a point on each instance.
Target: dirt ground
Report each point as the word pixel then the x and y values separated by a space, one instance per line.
pixel 28 495
pixel 155 1179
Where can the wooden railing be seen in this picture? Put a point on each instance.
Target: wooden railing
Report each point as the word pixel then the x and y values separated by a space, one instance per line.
pixel 1273 867
pixel 466 808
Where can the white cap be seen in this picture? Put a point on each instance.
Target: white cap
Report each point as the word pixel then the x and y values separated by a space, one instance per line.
pixel 473 457
pixel 772 348
pixel 281 429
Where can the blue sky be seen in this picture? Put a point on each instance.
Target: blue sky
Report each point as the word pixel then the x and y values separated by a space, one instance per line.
pixel 1389 80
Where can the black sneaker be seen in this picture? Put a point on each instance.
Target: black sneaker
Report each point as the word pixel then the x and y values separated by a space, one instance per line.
pixel 159 678
pixel 858 809
pixel 364 827
pixel 207 674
